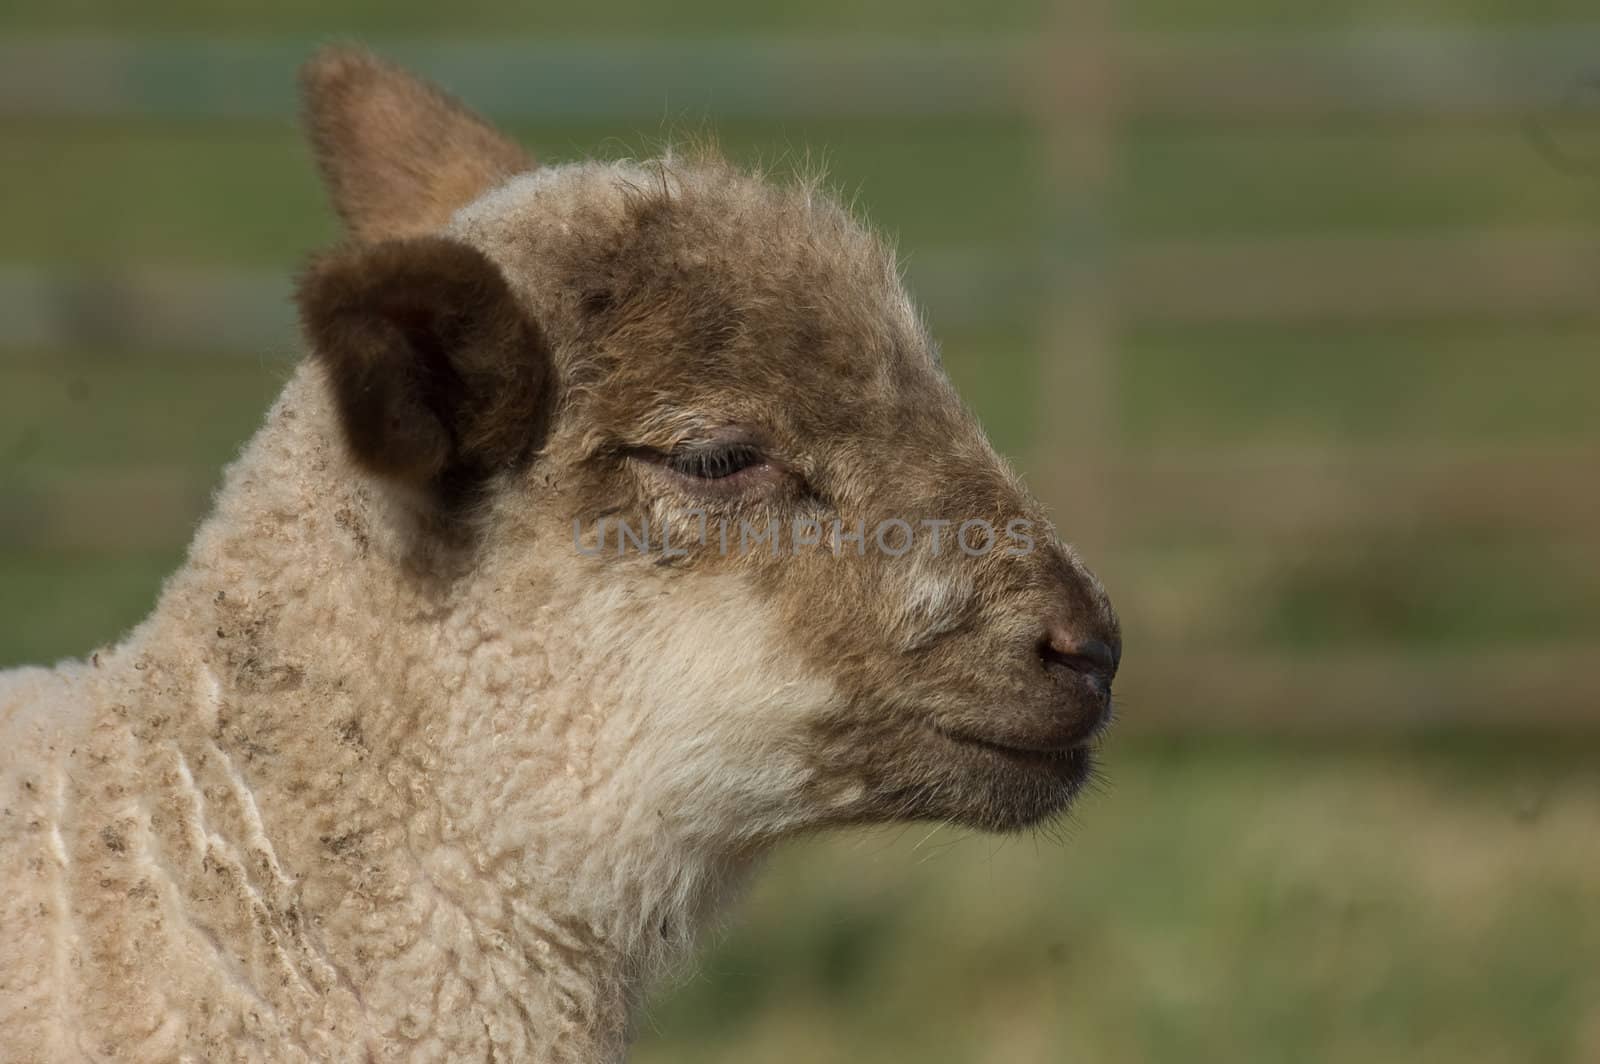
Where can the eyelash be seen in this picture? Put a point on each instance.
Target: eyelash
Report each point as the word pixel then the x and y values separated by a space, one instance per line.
pixel 715 462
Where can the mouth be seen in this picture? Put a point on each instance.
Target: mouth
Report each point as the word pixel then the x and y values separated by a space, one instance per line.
pixel 1072 763
pixel 974 777
pixel 997 785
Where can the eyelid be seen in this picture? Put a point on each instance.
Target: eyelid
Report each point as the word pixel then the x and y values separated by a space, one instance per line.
pixel 718 461
pixel 729 436
pixel 652 453
pixel 764 471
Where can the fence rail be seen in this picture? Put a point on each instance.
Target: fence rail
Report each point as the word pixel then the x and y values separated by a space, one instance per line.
pixel 1310 498
pixel 1078 83
pixel 1533 690
pixel 1257 500
pixel 1470 277
pixel 1378 73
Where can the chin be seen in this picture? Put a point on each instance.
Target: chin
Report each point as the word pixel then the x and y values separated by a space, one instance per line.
pixel 988 786
pixel 1012 790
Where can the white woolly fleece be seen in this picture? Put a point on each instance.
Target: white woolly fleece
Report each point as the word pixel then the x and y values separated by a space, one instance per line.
pixel 316 809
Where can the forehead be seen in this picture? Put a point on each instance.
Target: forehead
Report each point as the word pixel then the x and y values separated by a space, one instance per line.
pixel 697 283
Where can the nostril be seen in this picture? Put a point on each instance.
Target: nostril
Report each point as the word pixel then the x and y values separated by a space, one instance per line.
pixel 1088 656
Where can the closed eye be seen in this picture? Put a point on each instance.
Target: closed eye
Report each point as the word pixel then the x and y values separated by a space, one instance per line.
pixel 717 469
pixel 713 461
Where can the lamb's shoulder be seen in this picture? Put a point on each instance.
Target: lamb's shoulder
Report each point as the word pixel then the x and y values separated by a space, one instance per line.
pixel 39 697
pixel 41 712
pixel 131 924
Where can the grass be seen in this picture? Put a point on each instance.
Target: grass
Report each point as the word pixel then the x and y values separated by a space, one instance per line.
pixel 1292 15
pixel 620 18
pixel 247 194
pixel 1441 384
pixel 923 18
pixel 1183 180
pixel 200 194
pixel 67 414
pixel 1389 590
pixel 1220 902
pixel 60 604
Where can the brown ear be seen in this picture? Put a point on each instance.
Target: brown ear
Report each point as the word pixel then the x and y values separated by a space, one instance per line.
pixel 398 155
pixel 438 375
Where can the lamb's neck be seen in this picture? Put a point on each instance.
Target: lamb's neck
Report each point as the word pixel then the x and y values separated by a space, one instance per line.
pixel 418 828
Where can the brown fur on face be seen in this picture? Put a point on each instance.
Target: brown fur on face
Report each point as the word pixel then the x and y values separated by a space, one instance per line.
pixel 686 300
pixel 683 302
pixel 396 769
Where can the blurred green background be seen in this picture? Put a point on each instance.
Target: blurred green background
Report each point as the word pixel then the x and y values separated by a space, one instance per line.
pixel 1290 311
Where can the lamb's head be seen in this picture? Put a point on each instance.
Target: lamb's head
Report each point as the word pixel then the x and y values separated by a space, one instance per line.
pixel 698 412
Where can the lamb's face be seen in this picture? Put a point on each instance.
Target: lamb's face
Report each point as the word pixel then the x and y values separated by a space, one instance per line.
pixel 748 393
pixel 707 402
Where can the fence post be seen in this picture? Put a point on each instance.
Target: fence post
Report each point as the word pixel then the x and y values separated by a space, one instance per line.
pixel 1075 416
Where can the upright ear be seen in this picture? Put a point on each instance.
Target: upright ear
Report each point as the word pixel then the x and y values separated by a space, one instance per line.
pixel 398 155
pixel 439 377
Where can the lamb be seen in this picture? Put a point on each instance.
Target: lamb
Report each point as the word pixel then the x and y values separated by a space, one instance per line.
pixel 419 758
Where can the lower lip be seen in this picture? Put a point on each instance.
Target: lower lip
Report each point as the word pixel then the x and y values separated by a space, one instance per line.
pixel 1074 759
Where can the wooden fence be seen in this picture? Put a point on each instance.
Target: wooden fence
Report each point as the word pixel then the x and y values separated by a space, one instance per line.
pixel 1080 82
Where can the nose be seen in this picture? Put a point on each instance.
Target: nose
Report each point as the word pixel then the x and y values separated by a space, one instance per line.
pixel 1064 651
